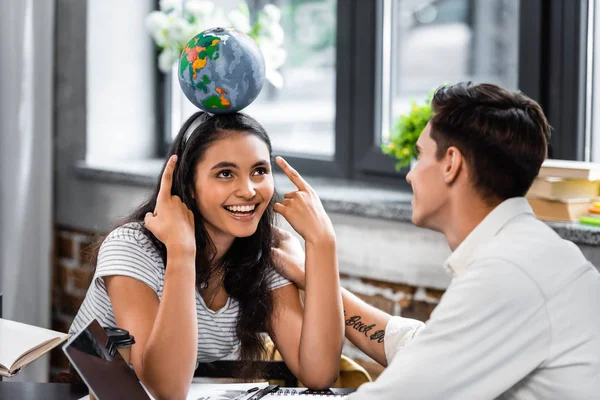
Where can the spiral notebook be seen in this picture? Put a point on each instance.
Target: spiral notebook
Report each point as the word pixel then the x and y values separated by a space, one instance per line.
pixel 299 393
pixel 240 392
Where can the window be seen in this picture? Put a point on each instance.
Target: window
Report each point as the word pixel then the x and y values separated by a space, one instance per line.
pixel 353 68
pixel 442 41
pixel 120 115
pixel 562 63
pixel 300 117
pixel 423 44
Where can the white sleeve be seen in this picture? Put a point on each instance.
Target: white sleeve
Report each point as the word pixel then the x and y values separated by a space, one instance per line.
pixel 276 280
pixel 128 255
pixel 399 332
pixel 489 331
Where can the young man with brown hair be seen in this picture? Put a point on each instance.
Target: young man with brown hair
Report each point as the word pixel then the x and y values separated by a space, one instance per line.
pixel 520 318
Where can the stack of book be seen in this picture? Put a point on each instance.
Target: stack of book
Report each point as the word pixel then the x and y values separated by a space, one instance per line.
pixel 593 218
pixel 564 190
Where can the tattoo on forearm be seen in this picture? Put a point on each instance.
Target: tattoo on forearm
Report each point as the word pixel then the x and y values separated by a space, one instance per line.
pixel 355 323
pixel 378 335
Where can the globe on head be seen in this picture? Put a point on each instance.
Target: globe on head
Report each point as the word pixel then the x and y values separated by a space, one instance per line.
pixel 221 70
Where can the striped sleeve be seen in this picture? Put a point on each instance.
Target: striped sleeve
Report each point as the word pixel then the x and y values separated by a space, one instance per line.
pixel 276 280
pixel 128 252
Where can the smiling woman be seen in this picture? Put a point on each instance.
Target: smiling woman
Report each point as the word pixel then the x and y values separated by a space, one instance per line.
pixel 191 273
pixel 234 186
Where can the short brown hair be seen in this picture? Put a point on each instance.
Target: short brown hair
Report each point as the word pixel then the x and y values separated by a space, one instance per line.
pixel 503 135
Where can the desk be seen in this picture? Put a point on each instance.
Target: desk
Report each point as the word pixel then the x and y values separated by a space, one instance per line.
pixel 38 391
pixel 58 391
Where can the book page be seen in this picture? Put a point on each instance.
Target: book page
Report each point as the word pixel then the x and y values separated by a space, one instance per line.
pixel 215 391
pixel 301 396
pixel 17 339
pixel 222 391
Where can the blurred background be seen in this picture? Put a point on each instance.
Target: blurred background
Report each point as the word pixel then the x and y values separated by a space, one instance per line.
pixel 89 104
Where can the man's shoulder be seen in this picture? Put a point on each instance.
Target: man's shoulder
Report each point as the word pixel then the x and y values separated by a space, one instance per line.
pixel 534 249
pixel 525 240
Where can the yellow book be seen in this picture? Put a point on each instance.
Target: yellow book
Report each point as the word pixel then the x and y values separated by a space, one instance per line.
pixel 570 170
pixel 560 209
pixel 554 188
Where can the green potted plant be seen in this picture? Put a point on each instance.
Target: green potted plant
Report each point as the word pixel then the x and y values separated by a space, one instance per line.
pixel 401 143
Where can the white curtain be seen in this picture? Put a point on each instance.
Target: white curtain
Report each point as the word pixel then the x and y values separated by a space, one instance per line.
pixel 26 120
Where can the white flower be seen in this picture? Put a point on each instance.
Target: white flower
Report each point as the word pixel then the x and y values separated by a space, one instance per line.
pixel 167 58
pixel 274 77
pixel 180 31
pixel 272 12
pixel 239 21
pixel 199 8
pixel 171 29
pixel 170 5
pixel 278 58
pixel 218 19
pixel 275 33
pixel 162 38
pixel 200 25
pixel 274 55
pixel 157 24
pixel 156 21
pixel 243 7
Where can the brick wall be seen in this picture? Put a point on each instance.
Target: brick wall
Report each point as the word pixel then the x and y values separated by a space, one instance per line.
pixel 395 299
pixel 71 276
pixel 75 259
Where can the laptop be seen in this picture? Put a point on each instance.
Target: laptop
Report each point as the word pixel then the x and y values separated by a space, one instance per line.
pixel 107 376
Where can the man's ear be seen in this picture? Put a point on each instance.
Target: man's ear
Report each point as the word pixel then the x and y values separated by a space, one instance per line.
pixel 453 165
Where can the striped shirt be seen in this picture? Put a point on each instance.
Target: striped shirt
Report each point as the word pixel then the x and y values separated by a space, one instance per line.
pixel 127 251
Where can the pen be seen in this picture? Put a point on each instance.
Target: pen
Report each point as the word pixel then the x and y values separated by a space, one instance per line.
pixel 241 396
pixel 263 392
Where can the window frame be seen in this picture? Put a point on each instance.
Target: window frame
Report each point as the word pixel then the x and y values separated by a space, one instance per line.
pixel 563 75
pixel 369 162
pixel 552 71
pixel 337 165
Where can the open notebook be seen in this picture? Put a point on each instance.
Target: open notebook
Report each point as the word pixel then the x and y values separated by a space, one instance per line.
pixel 239 392
pixel 21 344
pixel 300 393
pixel 232 392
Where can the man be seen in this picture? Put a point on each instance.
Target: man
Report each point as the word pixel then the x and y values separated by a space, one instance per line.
pixel 520 319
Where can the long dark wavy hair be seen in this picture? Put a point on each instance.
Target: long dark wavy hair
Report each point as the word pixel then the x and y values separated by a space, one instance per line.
pixel 247 262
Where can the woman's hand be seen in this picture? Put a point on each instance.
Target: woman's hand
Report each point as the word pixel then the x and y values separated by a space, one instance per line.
pixel 315 354
pixel 289 258
pixel 303 209
pixel 172 221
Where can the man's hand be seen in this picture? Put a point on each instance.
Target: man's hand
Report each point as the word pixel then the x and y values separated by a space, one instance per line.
pixel 289 258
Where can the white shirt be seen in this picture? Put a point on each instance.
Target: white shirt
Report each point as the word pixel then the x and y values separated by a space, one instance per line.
pixel 520 320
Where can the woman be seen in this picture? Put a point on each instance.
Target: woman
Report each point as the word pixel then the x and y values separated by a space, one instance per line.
pixel 191 274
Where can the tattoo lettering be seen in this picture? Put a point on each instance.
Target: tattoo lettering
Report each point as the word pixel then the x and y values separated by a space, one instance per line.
pixel 378 335
pixel 355 323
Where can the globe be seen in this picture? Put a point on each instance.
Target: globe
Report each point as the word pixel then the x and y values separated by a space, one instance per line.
pixel 221 70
